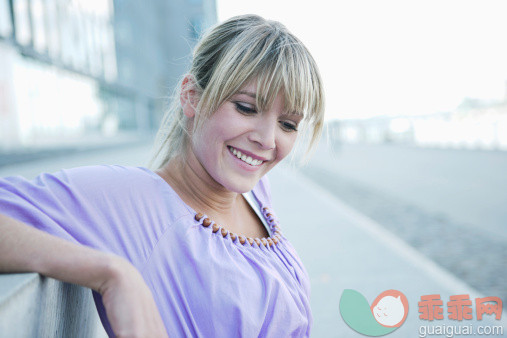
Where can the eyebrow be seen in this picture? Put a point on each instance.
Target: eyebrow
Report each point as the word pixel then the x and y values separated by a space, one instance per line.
pixel 251 94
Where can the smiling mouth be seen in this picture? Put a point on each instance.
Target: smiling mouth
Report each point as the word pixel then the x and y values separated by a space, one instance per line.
pixel 247 159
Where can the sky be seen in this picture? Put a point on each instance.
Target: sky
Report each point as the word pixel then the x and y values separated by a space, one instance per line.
pixel 396 58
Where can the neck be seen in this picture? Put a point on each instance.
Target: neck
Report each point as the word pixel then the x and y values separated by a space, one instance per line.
pixel 199 190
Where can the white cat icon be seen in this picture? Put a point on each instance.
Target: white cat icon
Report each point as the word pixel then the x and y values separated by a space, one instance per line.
pixel 390 308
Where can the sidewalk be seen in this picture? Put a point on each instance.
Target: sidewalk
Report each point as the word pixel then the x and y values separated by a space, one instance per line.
pixel 343 249
pixel 64 147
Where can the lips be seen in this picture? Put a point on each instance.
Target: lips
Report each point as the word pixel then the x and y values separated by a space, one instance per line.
pixel 245 158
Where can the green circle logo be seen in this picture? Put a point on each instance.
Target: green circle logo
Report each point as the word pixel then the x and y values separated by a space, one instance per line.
pixel 387 312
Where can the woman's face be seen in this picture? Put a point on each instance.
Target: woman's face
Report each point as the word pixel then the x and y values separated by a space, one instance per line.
pixel 239 144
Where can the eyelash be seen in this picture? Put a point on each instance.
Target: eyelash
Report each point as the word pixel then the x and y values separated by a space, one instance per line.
pixel 249 111
pixel 244 109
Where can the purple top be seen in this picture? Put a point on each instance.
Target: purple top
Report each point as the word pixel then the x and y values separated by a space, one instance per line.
pixel 204 284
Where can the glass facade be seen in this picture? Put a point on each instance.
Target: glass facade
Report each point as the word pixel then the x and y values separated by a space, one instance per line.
pixel 5 19
pixel 74 34
pixel 74 68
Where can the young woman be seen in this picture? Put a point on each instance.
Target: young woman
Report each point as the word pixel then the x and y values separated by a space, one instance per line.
pixel 192 248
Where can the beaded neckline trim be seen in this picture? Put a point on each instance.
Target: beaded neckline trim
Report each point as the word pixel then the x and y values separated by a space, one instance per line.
pixel 266 241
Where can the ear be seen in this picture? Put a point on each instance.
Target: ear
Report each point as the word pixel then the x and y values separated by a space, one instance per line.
pixel 189 97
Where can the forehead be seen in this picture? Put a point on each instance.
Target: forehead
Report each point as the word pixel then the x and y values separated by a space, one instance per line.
pixel 253 90
pixel 250 89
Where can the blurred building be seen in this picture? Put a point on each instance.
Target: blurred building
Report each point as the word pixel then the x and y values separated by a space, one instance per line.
pixel 76 70
pixel 474 124
pixel 153 47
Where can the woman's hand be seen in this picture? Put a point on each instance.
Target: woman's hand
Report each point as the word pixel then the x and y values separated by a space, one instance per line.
pixel 129 304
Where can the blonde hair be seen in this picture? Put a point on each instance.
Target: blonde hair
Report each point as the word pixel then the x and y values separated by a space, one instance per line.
pixel 230 55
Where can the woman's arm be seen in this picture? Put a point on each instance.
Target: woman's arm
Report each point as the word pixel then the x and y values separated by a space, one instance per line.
pixel 129 303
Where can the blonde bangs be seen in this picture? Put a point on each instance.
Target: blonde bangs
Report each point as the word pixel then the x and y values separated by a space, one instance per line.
pixel 295 77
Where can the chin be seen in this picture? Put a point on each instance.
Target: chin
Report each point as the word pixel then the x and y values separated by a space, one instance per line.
pixel 240 187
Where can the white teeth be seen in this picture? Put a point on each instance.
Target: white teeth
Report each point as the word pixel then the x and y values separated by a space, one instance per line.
pixel 244 158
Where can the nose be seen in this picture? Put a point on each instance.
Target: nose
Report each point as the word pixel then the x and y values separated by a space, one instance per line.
pixel 264 134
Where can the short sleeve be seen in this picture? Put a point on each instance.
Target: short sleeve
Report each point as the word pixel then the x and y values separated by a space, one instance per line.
pixel 110 208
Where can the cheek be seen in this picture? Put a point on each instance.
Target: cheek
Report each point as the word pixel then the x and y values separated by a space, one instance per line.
pixel 202 146
pixel 209 142
pixel 285 144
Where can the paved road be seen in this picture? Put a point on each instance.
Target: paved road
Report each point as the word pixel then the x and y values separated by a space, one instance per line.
pixel 469 187
pixel 448 204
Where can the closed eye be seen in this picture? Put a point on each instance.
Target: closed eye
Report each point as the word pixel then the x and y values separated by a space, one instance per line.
pixel 242 108
pixel 246 109
pixel 289 126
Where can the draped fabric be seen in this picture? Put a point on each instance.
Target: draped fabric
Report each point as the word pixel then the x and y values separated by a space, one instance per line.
pixel 204 284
